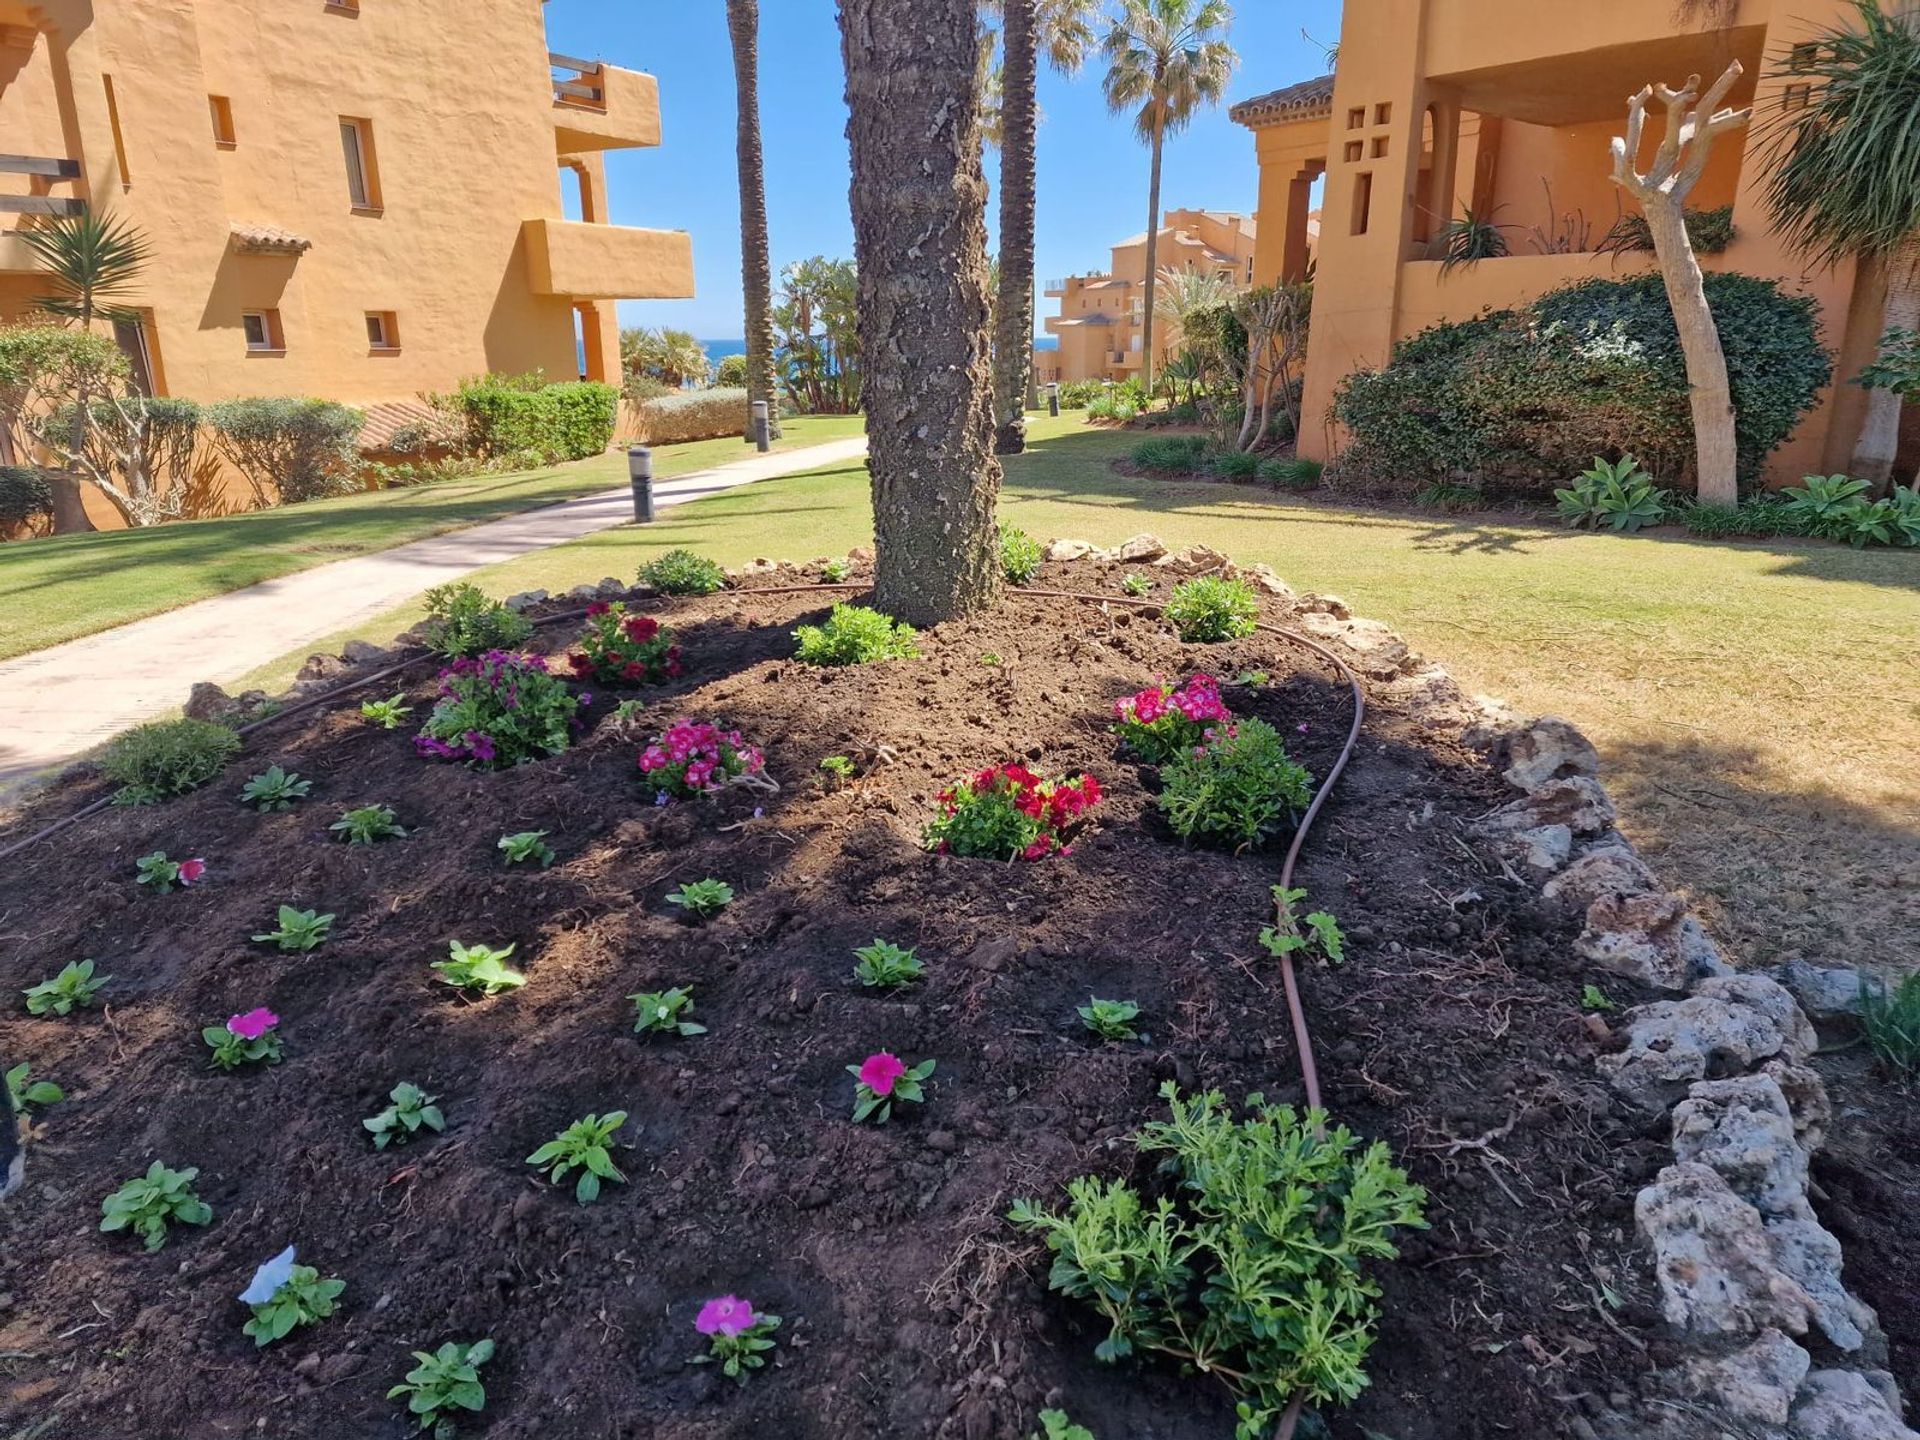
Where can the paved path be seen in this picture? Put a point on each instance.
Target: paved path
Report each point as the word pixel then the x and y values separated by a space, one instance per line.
pixel 59 703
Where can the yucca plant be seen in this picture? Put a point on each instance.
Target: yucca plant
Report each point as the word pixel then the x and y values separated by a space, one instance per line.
pixel 1470 237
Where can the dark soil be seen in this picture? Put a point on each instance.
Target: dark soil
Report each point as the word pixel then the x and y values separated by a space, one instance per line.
pixel 911 1308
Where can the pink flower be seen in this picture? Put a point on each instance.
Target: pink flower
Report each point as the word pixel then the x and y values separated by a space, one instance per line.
pixel 192 870
pixel 253 1024
pixel 878 1072
pixel 729 1315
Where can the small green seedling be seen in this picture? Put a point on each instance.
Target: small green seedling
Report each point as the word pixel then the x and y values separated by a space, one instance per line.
pixel 367 824
pixel 834 572
pixel 232 1048
pixel 412 1111
pixel 1136 585
pixel 527 845
pixel 702 899
pixel 73 988
pixel 1890 1015
pixel 160 874
pixel 1285 937
pixel 1592 997
pixel 835 771
pixel 1251 678
pixel 23 1090
pixel 736 1348
pixel 658 1012
pixel 149 1203
pixel 274 789
pixel 478 967
pixel 1054 1425
pixel 991 658
pixel 582 1146
pixel 443 1384
pixel 299 929
pixel 1110 1019
pixel 303 1298
pixel 886 966
pixel 387 714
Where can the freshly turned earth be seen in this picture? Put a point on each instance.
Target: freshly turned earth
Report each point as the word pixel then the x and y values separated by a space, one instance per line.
pixel 911 1308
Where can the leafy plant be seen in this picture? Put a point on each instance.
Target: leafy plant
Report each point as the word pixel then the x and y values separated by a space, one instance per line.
pixel 527 845
pixel 499 710
pixel 1891 1019
pixel 244 1040
pixel 623 649
pixel 1592 997
pixel 1239 790
pixel 658 1012
pixel 855 635
pixel 1903 513
pixel 24 1091
pixel 463 622
pixel 1617 494
pixel 1253 1267
pixel 1321 932
pixel 1020 555
pixel 155 761
pixel 1054 1425
pixel 690 759
pixel 883 1080
pixel 73 988
pixel 835 771
pixel 299 929
pixel 681 572
pixel 1110 1019
pixel 367 825
pixel 1447 495
pixel 303 1298
pixel 1471 237
pixel 523 414
pixel 1171 454
pixel 1237 466
pixel 387 714
pixel 161 874
pixel 886 966
pixel 1136 585
pixel 1208 608
pixel 702 899
pixel 1819 500
pixel 738 1337
pixel 835 572
pixel 275 788
pixel 582 1146
pixel 148 1203
pixel 1160 722
pixel 443 1384
pixel 991 659
pixel 1006 812
pixel 290 448
pixel 1708 231
pixel 478 967
pixel 1291 473
pixel 411 1110
pixel 1864 522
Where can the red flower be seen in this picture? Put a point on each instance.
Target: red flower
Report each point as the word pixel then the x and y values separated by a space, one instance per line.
pixel 633 671
pixel 598 607
pixel 579 663
pixel 641 628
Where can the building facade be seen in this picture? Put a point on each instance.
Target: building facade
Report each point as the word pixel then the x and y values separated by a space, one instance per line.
pixel 353 199
pixel 1507 107
pixel 1099 326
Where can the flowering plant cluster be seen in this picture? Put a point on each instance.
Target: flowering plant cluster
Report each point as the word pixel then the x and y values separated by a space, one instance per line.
pixel 244 1040
pixel 739 1337
pixel 883 1080
pixel 1161 722
pixel 285 1296
pixel 623 649
pixel 693 758
pixel 1006 812
pixel 500 709
pixel 163 874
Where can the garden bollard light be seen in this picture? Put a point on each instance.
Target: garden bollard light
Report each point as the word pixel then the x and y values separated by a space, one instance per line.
pixel 761 439
pixel 640 472
pixel 1053 399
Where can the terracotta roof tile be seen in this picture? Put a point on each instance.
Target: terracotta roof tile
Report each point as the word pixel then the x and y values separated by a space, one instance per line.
pixel 268 240
pixel 1292 102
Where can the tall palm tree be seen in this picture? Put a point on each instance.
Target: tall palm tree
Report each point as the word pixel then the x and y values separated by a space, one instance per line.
pixel 93 261
pixel 756 255
pixel 920 243
pixel 1165 59
pixel 1064 30
pixel 1845 183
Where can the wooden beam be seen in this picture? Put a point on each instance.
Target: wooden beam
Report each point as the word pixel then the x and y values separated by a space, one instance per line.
pixel 40 165
pixel 18 37
pixel 573 90
pixel 41 205
pixel 568 62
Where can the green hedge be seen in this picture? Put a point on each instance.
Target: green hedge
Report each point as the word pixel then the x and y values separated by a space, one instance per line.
pixel 289 448
pixel 690 415
pixel 509 415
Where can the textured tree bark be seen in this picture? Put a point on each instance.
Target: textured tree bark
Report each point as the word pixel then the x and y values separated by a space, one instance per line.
pixel 69 510
pixel 1153 254
pixel 1879 443
pixel 1013 316
pixel 756 259
pixel 920 240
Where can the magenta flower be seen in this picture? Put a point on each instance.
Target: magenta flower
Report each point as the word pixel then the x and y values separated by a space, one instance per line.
pixel 878 1072
pixel 253 1024
pixel 729 1315
pixel 192 870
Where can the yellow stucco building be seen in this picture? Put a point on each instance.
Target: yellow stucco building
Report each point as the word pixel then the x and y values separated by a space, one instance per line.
pixel 352 199
pixel 1507 106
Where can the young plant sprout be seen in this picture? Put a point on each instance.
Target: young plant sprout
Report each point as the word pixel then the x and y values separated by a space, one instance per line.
pixel 1136 585
pixel 527 845
pixel 1285 937
pixel 658 1012
pixel 73 988
pixel 1592 997
pixel 412 1111
pixel 245 1039
pixel 1054 1425
pixel 1110 1019
pixel 299 929
pixel 886 966
pixel 148 1203
pixel 833 572
pixel 738 1337
pixel 702 899
pixel 478 967
pixel 881 1081
pixel 835 771
pixel 442 1384
pixel 25 1091
pixel 286 1297
pixel 367 824
pixel 582 1146
pixel 161 874
pixel 274 789
pixel 387 714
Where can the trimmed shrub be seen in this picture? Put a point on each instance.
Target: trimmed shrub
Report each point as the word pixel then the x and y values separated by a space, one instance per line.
pixel 730 373
pixel 1208 608
pixel 1291 473
pixel 294 448
pixel 25 498
pixel 681 572
pixel 166 758
pixel 689 415
pixel 1171 454
pixel 506 414
pixel 1238 466
pixel 463 621
pixel 1078 394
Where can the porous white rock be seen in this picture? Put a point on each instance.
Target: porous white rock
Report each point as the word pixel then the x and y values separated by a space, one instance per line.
pixel 1844 1405
pixel 1649 937
pixel 1546 750
pixel 1743 1130
pixel 1607 868
pixel 1140 549
pixel 1711 1256
pixel 1756 1383
pixel 1772 1000
pixel 1825 993
pixel 1067 550
pixel 1810 1253
pixel 1673 1043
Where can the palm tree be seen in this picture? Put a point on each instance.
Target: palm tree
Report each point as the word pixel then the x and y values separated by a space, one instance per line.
pixel 1839 188
pixel 920 242
pixel 1165 59
pixel 1064 29
pixel 93 261
pixel 756 255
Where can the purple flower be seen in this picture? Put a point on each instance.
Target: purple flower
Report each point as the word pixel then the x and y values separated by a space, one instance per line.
pixel 729 1315
pixel 253 1024
pixel 480 745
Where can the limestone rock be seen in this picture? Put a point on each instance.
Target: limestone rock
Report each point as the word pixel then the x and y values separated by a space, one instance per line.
pixel 1140 549
pixel 610 588
pixel 1376 650
pixel 1712 1259
pixel 207 701
pixel 584 592
pixel 1068 550
pixel 525 600
pixel 1756 1384
pixel 1809 1253
pixel 1742 1129
pixel 1772 1000
pixel 1806 1095
pixel 1651 938
pixel 1197 560
pixel 1577 801
pixel 1825 994
pixel 861 555
pixel 1543 849
pixel 1261 577
pixel 1844 1405
pixel 361 652
pixel 1326 605
pixel 1673 1043
pixel 1547 750
pixel 1609 868
pixel 320 668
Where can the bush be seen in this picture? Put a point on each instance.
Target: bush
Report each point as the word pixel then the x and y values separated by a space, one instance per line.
pixel 461 620
pixel 690 415
pixel 499 710
pixel 855 635
pixel 25 498
pixel 506 414
pixel 1292 473
pixel 286 446
pixel 1078 394
pixel 730 373
pixel 1517 399
pixel 1240 790
pixel 1208 608
pixel 1236 465
pixel 166 757
pixel 681 572
pixel 1020 555
pixel 1171 454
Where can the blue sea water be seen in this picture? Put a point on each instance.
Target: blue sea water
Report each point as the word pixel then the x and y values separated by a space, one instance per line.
pixel 718 350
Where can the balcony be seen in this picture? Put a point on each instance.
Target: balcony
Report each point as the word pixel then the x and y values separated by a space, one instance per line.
pixel 42 172
pixel 597 106
pixel 607 262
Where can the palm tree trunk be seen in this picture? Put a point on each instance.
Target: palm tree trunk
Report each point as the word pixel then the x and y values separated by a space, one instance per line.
pixel 1879 443
pixel 756 258
pixel 1708 388
pixel 1013 319
pixel 920 242
pixel 1153 253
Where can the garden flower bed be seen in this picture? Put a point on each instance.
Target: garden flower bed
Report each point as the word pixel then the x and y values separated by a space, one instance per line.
pixel 906 1303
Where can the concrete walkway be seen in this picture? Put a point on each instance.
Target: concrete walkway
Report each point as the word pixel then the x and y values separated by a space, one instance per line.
pixel 58 703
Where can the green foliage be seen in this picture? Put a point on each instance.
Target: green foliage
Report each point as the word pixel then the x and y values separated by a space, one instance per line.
pixel 1897 365
pixel 1136 584
pixel 817 336
pixel 23 1091
pixel 1471 237
pixel 1592 997
pixel 231 1051
pixel 506 415
pixel 274 788
pixel 1708 231
pixel 1238 791
pixel 1208 608
pixel 157 872
pixel 1020 555
pixel 1078 394
pixel 1891 1019
pixel 1171 454
pixel 1447 496
pixel 1836 507
pixel 739 1353
pixel 26 500
pixel 478 967
pixel 299 930
pixel 681 572
pixel 499 710
pixel 463 622
pixel 835 771
pixel 886 966
pixel 388 714
pixel 525 846
pixel 1291 473
pixel 658 1012
pixel 855 635
pixel 165 758
pixel 869 1104
pixel 1321 933
pixel 443 1384
pixel 731 372
pixel 93 259
pixel 835 572
pixel 1110 1019
pixel 1054 1425
pixel 411 1110
pixel 666 355
pixel 1238 466
pixel 1253 1268
pixel 583 1145
pixel 684 415
pixel 1617 494
pixel 1762 514
pixel 367 825
pixel 149 1203
pixel 702 899
pixel 73 988
pixel 288 447
pixel 303 1299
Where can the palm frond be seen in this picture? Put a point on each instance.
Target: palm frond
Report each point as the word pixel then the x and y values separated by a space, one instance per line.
pixel 93 260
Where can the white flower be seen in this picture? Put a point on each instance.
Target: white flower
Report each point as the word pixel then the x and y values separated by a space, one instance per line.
pixel 269 1278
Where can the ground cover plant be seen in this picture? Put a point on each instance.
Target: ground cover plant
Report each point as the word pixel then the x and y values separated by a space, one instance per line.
pixel 276 788
pixel 479 968
pixel 854 635
pixel 619 648
pixel 463 621
pixel 409 1111
pixel 1163 720
pixel 1237 789
pixel 1208 608
pixel 682 572
pixel 74 988
pixel 499 709
pixel 166 758
pixel 1006 812
pixel 285 1297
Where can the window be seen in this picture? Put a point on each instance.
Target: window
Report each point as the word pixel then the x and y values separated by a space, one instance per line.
pixel 363 177
pixel 131 336
pixel 221 109
pixel 262 329
pixel 1383 114
pixel 383 330
pixel 1362 202
pixel 1357 117
pixel 1354 150
pixel 1379 147
pixel 344 7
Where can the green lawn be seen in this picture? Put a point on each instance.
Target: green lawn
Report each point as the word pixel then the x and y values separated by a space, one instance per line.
pixel 57 589
pixel 1758 702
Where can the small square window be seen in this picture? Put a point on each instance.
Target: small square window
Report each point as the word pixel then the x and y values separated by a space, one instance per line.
pixel 262 329
pixel 349 7
pixel 1379 147
pixel 1354 151
pixel 1797 97
pixel 221 109
pixel 383 330
pixel 1383 114
pixel 1804 56
pixel 1356 117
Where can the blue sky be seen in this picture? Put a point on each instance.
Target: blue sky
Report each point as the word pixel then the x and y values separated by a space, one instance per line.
pixel 1093 173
